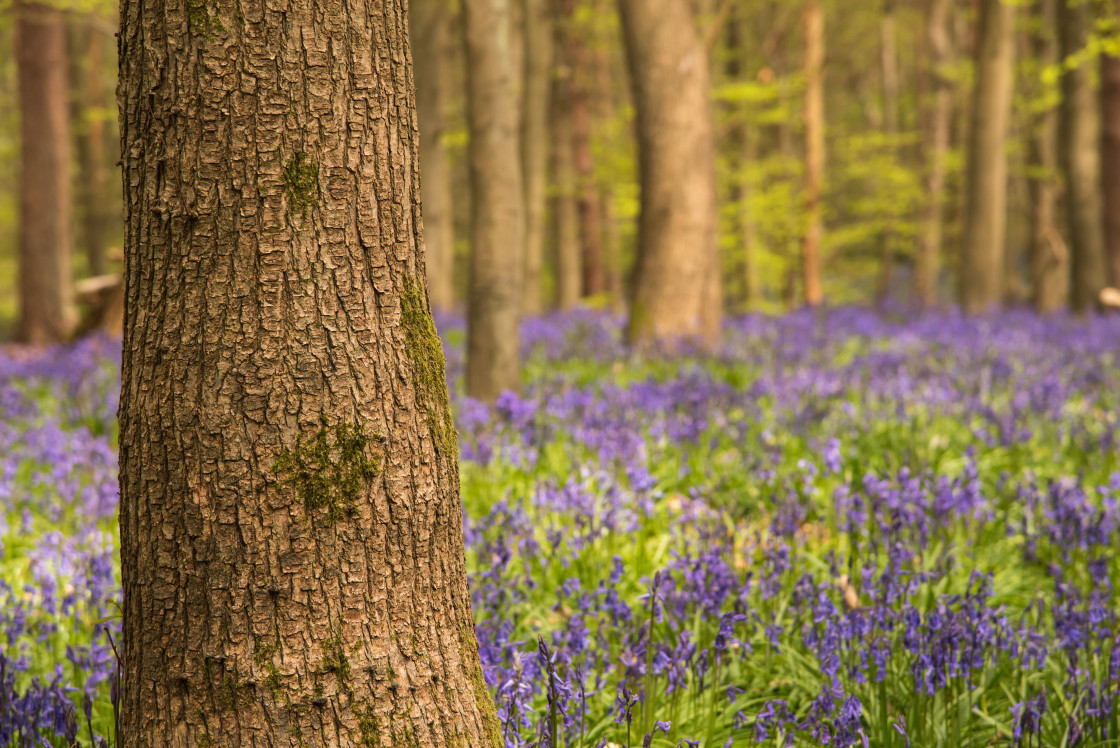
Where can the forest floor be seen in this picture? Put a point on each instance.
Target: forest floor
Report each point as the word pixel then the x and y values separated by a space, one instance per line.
pixel 843 530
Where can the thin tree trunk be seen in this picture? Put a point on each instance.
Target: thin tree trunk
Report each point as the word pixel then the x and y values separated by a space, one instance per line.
pixel 291 528
pixel 1110 158
pixel 742 147
pixel 87 61
pixel 430 31
pixel 937 150
pixel 814 151
pixel 497 225
pixel 569 273
pixel 590 230
pixel 46 299
pixel 534 144
pixel 677 275
pixel 986 217
pixel 888 60
pixel 1049 256
pixel 1080 156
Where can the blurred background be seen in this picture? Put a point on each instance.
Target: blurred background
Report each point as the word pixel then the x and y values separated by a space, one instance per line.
pixel 916 103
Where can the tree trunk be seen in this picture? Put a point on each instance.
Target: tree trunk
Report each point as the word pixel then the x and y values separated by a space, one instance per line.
pixel 888 60
pixel 814 151
pixel 579 61
pixel 87 61
pixel 1079 152
pixel 46 298
pixel 678 260
pixel 430 31
pixel 986 216
pixel 497 222
pixel 569 272
pixel 937 149
pixel 534 144
pixel 291 529
pixel 1110 159
pixel 1049 256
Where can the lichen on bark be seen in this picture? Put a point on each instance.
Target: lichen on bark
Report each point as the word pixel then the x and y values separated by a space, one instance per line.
pixel 330 470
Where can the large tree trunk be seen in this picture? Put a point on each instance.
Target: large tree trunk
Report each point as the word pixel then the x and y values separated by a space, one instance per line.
pixel 1049 256
pixel 497 223
pixel 87 62
pixel 678 260
pixel 1110 159
pixel 536 97
pixel 986 216
pixel 814 152
pixel 430 27
pixel 1079 153
pixel 46 299
pixel 936 151
pixel 291 530
pixel 565 216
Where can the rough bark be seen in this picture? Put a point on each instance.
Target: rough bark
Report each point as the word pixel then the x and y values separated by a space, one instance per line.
pixel 1049 256
pixel 536 97
pixel 814 152
pixel 1080 156
pixel 497 223
pixel 88 101
pixel 678 262
pixel 430 27
pixel 937 134
pixel 1110 159
pixel 986 213
pixel 565 217
pixel 46 299
pixel 291 530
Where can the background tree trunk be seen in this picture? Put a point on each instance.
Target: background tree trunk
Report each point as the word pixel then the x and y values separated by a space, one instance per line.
pixel 565 218
pixel 1079 152
pixel 678 259
pixel 536 97
pixel 88 102
pixel 46 310
pixel 814 152
pixel 888 56
pixel 1110 159
pixel 497 223
pixel 579 61
pixel 1049 256
pixel 430 31
pixel 937 149
pixel 986 216
pixel 291 529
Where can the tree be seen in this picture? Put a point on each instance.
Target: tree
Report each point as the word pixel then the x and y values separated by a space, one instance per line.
pixel 676 280
pixel 986 212
pixel 87 61
pixel 1080 156
pixel 814 151
pixel 1049 256
pixel 497 225
pixel 1110 158
pixel 430 31
pixel 936 153
pixel 536 97
pixel 565 217
pixel 46 298
pixel 291 530
pixel 888 63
